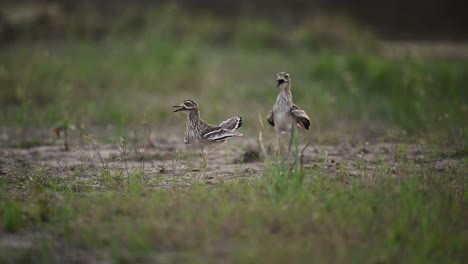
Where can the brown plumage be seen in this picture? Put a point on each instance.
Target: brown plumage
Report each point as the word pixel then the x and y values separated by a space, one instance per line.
pixel 200 134
pixel 285 115
pixel 302 120
pixel 284 112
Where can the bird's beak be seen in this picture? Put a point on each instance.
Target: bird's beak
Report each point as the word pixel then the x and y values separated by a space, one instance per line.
pixel 178 108
pixel 279 81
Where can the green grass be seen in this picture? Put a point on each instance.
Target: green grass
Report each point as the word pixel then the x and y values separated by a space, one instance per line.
pixel 128 78
pixel 415 216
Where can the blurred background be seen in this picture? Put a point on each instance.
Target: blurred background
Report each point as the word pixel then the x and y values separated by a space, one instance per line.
pixel 416 19
pixel 376 65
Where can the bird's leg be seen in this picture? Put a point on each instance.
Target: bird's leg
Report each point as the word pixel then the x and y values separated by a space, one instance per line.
pixel 204 162
pixel 294 140
pixel 278 147
pixel 291 138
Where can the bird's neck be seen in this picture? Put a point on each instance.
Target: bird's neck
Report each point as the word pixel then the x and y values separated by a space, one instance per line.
pixel 285 89
pixel 193 117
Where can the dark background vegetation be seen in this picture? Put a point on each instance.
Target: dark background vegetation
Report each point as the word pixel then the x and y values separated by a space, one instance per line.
pixel 399 19
pixel 424 19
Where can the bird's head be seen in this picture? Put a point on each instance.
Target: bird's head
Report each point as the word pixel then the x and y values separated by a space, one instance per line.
pixel 282 77
pixel 186 106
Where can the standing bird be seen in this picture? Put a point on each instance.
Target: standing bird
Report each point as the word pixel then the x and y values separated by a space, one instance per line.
pixel 200 135
pixel 285 115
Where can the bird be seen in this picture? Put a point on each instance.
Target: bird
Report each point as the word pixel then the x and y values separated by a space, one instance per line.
pixel 285 115
pixel 200 134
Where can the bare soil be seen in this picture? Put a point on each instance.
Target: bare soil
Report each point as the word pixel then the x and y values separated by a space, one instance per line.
pixel 171 161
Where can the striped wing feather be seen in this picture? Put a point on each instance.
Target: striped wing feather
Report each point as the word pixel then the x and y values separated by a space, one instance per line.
pixel 216 134
pixel 231 123
pixel 270 118
pixel 301 117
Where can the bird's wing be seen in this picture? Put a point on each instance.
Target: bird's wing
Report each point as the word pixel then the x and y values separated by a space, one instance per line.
pixel 270 118
pixel 216 134
pixel 231 123
pixel 301 117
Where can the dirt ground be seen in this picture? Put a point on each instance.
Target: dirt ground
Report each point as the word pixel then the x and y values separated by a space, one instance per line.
pixel 171 161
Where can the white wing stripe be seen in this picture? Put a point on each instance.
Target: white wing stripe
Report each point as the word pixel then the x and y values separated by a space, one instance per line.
pixel 214 132
pixel 220 134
